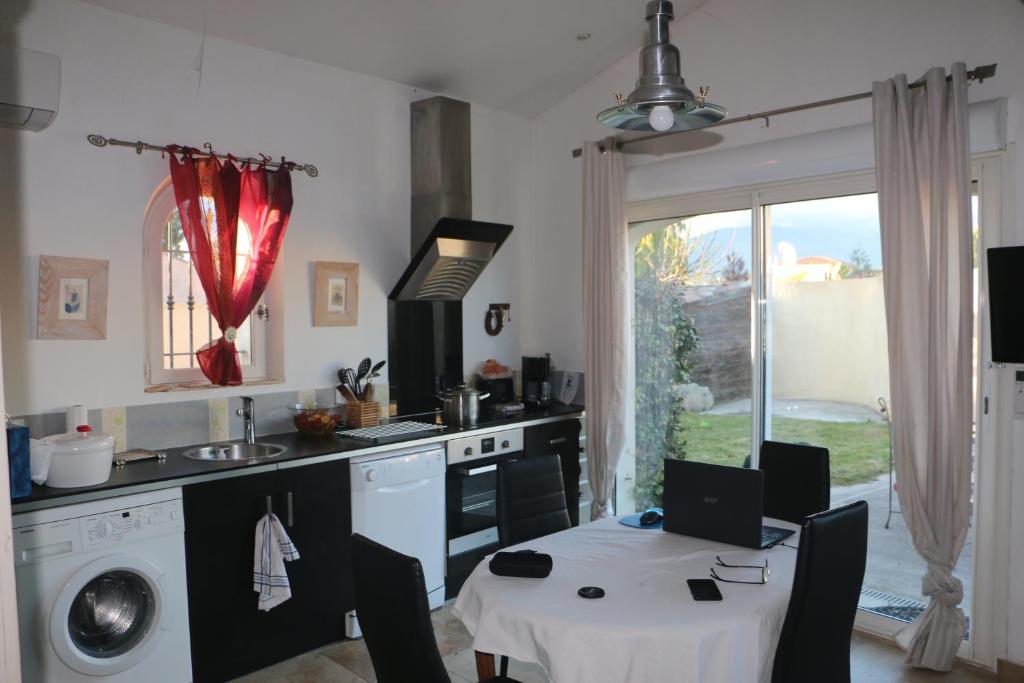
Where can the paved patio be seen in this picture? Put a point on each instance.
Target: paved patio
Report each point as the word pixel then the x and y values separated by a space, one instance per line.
pixel 893 564
pixel 893 567
pixel 800 409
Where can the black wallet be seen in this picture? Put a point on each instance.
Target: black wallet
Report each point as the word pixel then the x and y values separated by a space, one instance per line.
pixel 524 564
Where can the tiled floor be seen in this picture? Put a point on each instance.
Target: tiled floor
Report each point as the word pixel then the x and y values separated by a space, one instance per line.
pixel 348 662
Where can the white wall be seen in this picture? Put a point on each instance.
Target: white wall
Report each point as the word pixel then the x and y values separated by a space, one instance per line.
pixel 828 341
pixel 758 55
pixel 129 78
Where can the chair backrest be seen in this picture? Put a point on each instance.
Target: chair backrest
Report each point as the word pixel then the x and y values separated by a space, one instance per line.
pixel 815 641
pixel 531 499
pixel 391 605
pixel 796 480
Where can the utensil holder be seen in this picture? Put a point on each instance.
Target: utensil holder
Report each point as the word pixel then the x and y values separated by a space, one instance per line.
pixel 363 414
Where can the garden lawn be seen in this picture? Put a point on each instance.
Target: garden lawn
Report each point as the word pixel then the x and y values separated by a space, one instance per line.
pixel 858 451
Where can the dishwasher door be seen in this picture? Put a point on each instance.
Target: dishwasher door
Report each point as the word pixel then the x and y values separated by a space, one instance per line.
pixel 398 501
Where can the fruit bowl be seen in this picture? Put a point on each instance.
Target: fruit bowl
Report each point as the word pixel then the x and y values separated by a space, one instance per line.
pixel 317 419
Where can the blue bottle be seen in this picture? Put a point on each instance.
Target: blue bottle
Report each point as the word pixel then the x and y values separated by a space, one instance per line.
pixel 18 460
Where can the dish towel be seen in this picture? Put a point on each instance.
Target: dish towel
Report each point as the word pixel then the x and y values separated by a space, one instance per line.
pixel 273 547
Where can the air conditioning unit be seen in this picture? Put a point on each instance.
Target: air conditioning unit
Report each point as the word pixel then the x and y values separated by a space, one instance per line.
pixel 29 88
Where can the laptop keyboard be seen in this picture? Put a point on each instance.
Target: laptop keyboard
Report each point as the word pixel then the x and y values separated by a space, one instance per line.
pixel 770 535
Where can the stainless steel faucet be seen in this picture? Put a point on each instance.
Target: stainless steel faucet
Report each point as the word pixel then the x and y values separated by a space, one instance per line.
pixel 248 413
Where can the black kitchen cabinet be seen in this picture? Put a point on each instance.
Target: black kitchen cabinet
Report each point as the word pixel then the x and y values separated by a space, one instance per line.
pixel 560 438
pixel 229 635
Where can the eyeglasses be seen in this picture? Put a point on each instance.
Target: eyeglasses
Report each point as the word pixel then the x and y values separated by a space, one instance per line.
pixel 765 571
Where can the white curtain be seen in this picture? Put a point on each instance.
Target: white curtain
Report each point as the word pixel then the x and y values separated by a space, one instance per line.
pixel 924 195
pixel 605 316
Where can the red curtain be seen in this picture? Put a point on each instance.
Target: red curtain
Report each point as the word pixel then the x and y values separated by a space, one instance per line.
pixel 212 195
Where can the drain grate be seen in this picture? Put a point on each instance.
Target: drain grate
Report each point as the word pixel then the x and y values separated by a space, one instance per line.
pixel 894 606
pixel 869 597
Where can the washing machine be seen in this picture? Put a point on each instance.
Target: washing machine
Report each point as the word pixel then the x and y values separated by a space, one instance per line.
pixel 101 591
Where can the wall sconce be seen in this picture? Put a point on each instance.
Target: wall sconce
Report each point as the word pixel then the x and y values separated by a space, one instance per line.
pixel 496 317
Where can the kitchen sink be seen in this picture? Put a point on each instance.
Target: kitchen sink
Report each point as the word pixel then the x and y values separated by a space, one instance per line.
pixel 235 451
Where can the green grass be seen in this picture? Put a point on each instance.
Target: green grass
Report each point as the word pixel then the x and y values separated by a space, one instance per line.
pixel 858 451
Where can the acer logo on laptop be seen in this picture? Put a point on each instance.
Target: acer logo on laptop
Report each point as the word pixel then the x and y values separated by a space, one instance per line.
pixel 710 499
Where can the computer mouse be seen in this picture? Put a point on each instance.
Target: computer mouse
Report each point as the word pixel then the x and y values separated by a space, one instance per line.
pixel 652 516
pixel 590 592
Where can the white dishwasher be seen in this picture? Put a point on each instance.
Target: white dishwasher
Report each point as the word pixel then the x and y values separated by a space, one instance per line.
pixel 398 501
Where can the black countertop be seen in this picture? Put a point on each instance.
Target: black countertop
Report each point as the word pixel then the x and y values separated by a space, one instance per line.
pixel 176 467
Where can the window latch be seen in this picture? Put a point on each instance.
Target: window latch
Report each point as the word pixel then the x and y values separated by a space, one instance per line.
pixel 263 312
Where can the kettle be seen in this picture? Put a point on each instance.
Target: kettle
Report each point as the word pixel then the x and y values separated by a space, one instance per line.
pixel 461 405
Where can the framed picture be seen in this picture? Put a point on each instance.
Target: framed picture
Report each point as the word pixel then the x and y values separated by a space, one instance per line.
pixel 337 294
pixel 72 300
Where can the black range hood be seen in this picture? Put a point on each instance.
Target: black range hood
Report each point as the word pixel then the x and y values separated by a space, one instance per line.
pixel 449 250
pixel 450 260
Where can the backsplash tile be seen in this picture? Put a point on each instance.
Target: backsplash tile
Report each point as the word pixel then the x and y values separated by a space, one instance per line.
pixel 220 426
pixel 327 396
pixel 272 413
pixel 166 425
pixel 182 423
pixel 114 423
pixel 44 424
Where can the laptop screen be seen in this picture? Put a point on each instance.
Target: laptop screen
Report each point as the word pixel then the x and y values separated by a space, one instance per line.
pixel 715 502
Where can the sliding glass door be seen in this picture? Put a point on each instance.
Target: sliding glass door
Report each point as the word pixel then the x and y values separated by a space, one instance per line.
pixel 691 319
pixel 768 323
pixel 827 376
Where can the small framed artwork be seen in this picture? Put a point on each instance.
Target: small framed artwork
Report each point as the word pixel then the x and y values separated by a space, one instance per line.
pixel 72 301
pixel 337 294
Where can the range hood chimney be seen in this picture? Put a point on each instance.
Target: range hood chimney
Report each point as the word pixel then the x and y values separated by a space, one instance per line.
pixel 449 248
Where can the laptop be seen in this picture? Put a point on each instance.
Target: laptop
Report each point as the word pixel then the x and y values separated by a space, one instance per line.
pixel 718 503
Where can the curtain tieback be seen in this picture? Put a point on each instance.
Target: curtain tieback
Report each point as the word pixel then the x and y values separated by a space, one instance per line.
pixel 940 585
pixel 230 334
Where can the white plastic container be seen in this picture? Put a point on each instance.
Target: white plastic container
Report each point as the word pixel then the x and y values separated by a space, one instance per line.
pixel 80 458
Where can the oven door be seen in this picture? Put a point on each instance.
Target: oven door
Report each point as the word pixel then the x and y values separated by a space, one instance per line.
pixel 472 515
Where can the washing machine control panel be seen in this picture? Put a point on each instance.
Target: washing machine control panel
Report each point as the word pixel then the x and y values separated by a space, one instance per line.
pixel 131 524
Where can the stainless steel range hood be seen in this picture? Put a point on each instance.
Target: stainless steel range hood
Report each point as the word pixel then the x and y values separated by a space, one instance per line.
pixel 449 249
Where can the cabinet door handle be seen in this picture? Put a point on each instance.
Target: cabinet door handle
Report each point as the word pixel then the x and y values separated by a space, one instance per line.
pixel 560 439
pixel 288 500
pixel 270 505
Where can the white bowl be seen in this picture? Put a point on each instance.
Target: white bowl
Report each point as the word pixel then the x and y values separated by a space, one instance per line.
pixel 79 459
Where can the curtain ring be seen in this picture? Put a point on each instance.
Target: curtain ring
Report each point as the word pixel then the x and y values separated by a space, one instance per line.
pixel 208 147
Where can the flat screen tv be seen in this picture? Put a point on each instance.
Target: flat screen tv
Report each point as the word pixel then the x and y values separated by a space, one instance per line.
pixel 1006 303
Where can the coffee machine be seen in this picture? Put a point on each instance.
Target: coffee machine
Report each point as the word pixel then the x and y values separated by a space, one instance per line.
pixel 537 380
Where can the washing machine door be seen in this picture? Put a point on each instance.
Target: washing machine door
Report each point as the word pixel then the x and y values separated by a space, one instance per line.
pixel 109 616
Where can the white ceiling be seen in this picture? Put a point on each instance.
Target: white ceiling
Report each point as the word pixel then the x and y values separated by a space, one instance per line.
pixel 520 56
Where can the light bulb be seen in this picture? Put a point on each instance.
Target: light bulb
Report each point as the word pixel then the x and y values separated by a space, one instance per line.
pixel 661 118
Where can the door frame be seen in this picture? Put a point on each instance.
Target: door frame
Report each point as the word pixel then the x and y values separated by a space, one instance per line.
pixel 994 430
pixel 10 655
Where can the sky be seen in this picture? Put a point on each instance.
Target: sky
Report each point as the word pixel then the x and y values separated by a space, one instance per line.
pixel 831 227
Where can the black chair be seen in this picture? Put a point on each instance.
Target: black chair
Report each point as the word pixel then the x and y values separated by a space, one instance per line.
pixel 531 499
pixel 815 642
pixel 796 480
pixel 391 604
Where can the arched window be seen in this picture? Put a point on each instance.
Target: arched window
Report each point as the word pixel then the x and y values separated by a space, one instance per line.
pixel 178 320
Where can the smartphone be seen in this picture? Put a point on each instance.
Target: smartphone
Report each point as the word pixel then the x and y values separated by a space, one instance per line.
pixel 704 589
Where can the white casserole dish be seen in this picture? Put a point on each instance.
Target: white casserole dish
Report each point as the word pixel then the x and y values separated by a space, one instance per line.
pixel 80 458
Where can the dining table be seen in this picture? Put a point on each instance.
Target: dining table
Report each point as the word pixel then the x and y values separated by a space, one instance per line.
pixel 647 626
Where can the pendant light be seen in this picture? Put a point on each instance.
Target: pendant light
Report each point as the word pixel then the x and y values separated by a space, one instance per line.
pixel 661 101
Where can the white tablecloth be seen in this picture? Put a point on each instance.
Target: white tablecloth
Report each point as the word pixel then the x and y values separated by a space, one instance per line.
pixel 647 627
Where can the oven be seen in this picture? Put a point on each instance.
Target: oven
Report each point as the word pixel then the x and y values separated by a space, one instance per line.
pixel 471 509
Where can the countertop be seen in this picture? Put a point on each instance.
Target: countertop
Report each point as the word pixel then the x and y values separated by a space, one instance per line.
pixel 177 470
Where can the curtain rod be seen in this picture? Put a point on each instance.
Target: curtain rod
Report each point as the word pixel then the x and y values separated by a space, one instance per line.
pixel 140 147
pixel 978 73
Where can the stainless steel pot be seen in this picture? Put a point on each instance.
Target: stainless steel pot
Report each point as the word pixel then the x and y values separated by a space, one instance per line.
pixel 461 405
